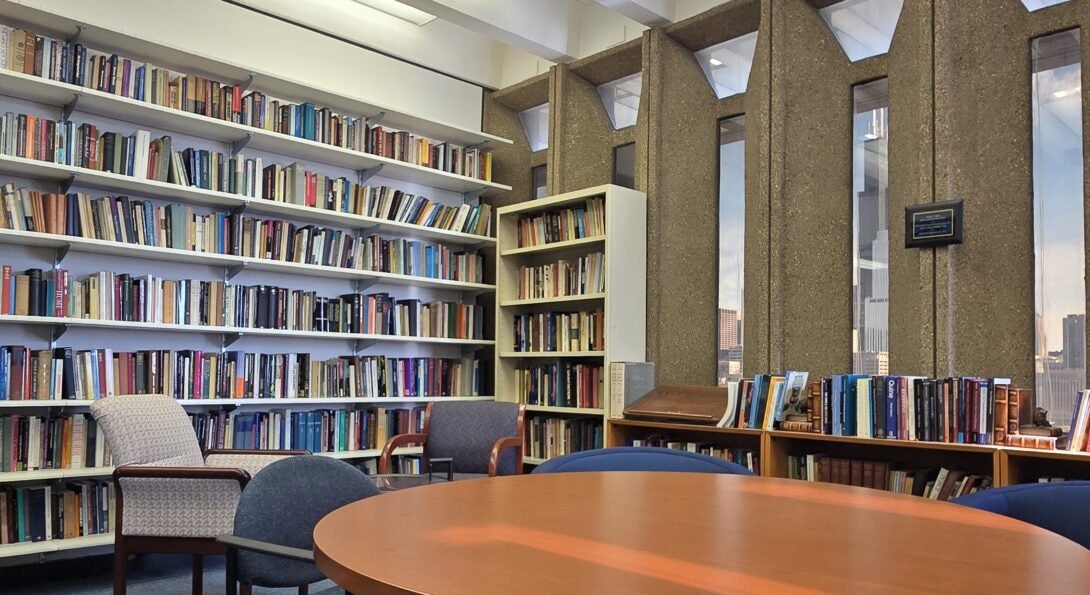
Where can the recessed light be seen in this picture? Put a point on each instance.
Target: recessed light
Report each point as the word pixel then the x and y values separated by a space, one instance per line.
pixel 399 10
pixel 715 61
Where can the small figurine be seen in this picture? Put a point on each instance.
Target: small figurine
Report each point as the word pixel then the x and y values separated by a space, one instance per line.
pixel 1041 426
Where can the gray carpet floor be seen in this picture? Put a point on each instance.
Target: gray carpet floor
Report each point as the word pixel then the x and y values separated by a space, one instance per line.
pixel 149 574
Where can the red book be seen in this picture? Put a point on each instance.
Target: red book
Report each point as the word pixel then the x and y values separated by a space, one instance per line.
pixel 60 281
pixel 19 373
pixel 6 294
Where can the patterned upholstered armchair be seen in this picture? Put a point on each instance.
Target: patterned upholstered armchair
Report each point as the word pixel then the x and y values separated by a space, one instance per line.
pixel 170 497
pixel 476 439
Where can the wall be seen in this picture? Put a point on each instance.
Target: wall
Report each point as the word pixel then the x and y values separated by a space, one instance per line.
pixel 959 83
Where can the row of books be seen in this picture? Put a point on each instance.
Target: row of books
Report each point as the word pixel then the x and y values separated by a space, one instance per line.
pixel 1079 439
pixel 323 430
pixel 119 219
pixel 563 225
pixel 107 295
pixel 39 55
pixel 963 409
pixel 581 276
pixel 31 443
pixel 750 459
pixel 560 331
pixel 48 512
pixel 937 484
pixel 296 185
pixel 64 373
pixel 548 437
pixel 560 384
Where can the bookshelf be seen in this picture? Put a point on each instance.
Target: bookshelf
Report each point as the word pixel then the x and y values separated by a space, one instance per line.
pixel 1007 465
pixel 53 99
pixel 620 301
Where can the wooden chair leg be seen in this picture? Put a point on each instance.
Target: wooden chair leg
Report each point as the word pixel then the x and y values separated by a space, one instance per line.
pixel 304 589
pixel 231 570
pixel 121 562
pixel 198 573
pixel 246 589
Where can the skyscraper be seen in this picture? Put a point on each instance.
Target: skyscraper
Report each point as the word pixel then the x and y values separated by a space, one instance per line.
pixel 728 328
pixel 1074 353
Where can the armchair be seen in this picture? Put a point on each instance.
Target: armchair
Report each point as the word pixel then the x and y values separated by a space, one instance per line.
pixel 170 498
pixel 480 439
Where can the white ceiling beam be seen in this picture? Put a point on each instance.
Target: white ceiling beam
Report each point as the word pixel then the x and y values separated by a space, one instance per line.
pixel 541 27
pixel 647 12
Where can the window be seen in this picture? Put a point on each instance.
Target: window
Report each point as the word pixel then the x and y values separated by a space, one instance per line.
pixel 535 123
pixel 870 228
pixel 726 65
pixel 1058 242
pixel 732 227
pixel 863 28
pixel 1033 5
pixel 624 165
pixel 621 99
pixel 539 185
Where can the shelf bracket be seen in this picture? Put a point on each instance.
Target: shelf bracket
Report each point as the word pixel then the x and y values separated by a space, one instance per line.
pixel 79 33
pixel 239 209
pixel 375 119
pixel 366 174
pixel 234 270
pixel 61 253
pixel 240 144
pixel 58 332
pixel 364 284
pixel 249 82
pixel 468 350
pixel 230 338
pixel 66 185
pixel 361 344
pixel 479 145
pixel 69 107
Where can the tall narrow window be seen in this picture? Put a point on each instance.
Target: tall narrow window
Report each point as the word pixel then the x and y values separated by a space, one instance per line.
pixel 732 225
pixel 535 123
pixel 870 225
pixel 538 181
pixel 1058 243
pixel 624 165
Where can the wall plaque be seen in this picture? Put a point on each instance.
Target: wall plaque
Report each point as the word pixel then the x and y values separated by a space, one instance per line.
pixel 934 224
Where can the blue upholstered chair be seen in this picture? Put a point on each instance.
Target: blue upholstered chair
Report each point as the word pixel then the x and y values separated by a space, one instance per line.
pixel 640 458
pixel 272 544
pixel 471 439
pixel 1060 507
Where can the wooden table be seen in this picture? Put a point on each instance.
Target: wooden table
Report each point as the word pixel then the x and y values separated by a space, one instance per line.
pixel 628 532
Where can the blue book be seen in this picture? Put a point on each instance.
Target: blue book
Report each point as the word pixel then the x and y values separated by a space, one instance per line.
pixel 759 380
pixel 851 400
pixel 837 403
pixel 4 363
pixel 893 408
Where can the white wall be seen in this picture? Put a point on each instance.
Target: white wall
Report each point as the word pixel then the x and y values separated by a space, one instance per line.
pixel 244 37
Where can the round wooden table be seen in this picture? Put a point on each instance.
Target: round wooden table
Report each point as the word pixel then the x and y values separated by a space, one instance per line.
pixel 629 532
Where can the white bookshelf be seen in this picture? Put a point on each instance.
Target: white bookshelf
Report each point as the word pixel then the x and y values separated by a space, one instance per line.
pixel 623 302
pixel 50 98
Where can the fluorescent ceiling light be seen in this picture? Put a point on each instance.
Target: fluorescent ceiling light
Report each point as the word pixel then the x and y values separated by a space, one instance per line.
pixel 1067 92
pixel 715 62
pixel 399 10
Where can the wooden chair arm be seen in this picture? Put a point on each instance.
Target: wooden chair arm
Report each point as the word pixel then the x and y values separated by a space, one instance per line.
pixel 254 451
pixel 501 445
pixel 136 471
pixel 395 442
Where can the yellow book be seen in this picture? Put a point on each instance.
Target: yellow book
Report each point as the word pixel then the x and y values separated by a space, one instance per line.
pixel 773 382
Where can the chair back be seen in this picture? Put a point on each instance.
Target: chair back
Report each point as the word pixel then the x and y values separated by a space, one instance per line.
pixel 640 458
pixel 144 429
pixel 466 431
pixel 282 504
pixel 1059 507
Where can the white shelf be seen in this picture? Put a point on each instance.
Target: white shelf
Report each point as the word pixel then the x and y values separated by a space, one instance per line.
pixel 560 200
pixel 371 453
pixel 590 297
pixel 53 474
pixel 30 238
pixel 55 545
pixel 217 330
pixel 552 354
pixel 566 410
pixel 555 246
pixel 44 170
pixel 143 113
pixel 36 403
pixel 533 460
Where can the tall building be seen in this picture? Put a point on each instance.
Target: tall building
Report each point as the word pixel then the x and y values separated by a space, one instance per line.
pixel 728 328
pixel 1075 341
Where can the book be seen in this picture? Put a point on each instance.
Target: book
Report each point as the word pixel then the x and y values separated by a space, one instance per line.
pixel 628 382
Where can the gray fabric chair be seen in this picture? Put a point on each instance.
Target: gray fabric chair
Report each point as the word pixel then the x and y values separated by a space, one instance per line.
pixel 473 439
pixel 170 497
pixel 272 544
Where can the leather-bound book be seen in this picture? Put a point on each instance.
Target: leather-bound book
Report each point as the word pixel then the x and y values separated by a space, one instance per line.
pixel 684 404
